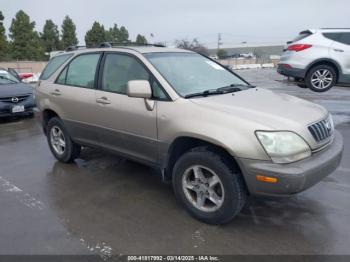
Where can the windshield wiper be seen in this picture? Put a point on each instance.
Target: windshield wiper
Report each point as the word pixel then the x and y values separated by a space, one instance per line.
pixel 206 93
pixel 221 90
pixel 234 88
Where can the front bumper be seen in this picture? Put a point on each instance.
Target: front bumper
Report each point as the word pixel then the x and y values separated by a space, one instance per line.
pixel 6 108
pixel 295 177
pixel 291 71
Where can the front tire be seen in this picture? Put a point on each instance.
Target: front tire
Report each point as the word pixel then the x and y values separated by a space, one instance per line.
pixel 209 188
pixel 60 142
pixel 321 78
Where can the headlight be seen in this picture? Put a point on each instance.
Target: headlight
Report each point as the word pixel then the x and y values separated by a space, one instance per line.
pixel 283 146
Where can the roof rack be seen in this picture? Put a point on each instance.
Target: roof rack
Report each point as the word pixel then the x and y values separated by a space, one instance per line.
pixel 336 28
pixel 112 44
pixel 74 47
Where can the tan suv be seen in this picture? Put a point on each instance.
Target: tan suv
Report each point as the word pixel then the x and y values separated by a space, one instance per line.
pixel 217 138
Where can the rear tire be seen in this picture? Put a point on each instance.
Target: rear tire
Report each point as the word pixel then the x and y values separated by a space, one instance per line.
pixel 321 78
pixel 61 145
pixel 217 182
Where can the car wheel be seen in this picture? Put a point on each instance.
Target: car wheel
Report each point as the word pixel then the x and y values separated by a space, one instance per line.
pixel 321 78
pixel 208 187
pixel 60 143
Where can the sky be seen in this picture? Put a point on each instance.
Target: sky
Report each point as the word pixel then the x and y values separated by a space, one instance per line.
pixel 251 21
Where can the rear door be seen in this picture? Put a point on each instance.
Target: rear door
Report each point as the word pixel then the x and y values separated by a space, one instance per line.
pixel 340 50
pixel 73 96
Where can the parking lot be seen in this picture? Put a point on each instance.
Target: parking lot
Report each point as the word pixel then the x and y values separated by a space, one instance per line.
pixel 107 205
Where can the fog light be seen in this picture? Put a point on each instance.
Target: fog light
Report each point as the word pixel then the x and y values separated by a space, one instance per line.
pixel 266 179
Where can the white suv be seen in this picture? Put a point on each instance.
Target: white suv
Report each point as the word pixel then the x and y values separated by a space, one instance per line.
pixel 319 58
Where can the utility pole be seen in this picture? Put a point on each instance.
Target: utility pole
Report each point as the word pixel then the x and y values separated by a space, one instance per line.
pixel 219 41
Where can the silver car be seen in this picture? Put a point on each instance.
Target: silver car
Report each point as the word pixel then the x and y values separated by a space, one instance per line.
pixel 318 59
pixel 216 138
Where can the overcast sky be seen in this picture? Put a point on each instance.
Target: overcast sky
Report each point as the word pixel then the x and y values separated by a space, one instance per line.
pixel 254 21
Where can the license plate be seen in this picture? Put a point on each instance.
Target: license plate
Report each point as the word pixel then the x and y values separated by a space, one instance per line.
pixel 17 109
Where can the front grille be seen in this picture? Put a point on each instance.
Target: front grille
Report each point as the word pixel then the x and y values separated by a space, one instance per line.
pixel 14 99
pixel 322 129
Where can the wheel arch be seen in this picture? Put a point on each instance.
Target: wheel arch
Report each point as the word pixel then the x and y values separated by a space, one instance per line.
pixel 183 144
pixel 325 61
pixel 47 114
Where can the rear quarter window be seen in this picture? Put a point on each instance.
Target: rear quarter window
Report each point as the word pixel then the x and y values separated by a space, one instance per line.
pixel 53 65
pixel 333 36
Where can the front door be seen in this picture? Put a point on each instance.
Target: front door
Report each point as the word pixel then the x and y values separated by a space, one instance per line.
pixel 125 124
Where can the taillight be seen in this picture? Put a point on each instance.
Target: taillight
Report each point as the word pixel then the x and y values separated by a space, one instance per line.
pixel 298 47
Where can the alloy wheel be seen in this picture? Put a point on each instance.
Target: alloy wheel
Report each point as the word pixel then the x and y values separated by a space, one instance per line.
pixel 58 140
pixel 203 188
pixel 321 79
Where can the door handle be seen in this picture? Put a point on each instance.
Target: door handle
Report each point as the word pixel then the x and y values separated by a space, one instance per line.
pixel 56 92
pixel 338 50
pixel 103 100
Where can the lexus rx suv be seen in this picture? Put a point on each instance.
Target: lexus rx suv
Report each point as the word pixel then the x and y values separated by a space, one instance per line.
pixel 318 59
pixel 216 138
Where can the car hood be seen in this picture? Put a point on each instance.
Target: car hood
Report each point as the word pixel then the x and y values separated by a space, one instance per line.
pixel 276 111
pixel 9 90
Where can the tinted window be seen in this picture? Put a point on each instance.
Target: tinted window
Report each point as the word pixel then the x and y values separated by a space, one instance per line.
pixel 53 65
pixel 119 69
pixel 333 36
pixel 81 71
pixel 345 39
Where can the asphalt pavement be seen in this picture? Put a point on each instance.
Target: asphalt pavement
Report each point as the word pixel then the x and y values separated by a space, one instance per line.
pixel 103 204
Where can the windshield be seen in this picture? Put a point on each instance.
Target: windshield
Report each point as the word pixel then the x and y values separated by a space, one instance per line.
pixel 190 73
pixel 7 78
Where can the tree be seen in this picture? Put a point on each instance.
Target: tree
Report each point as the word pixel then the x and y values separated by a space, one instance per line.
pixel 123 35
pixel 26 42
pixel 69 35
pixel 112 35
pixel 140 39
pixel 193 45
pixel 96 35
pixel 3 40
pixel 221 53
pixel 50 36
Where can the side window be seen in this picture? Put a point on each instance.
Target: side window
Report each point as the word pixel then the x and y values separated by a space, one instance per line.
pixel 345 39
pixel 53 65
pixel 157 91
pixel 119 69
pixel 333 36
pixel 62 77
pixel 81 71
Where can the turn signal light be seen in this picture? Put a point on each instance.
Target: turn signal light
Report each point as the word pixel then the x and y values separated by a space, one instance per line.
pixel 298 47
pixel 266 179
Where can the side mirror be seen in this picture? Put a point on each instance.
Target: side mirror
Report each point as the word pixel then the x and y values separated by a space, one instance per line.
pixel 139 88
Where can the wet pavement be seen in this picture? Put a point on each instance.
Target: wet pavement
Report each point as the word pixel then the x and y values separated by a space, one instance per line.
pixel 104 205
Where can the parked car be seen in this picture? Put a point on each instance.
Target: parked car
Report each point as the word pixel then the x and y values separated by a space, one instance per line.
pixel 319 59
pixel 16 98
pixel 214 136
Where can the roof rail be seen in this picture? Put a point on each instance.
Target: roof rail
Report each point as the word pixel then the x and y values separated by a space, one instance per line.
pixel 74 47
pixel 336 28
pixel 112 44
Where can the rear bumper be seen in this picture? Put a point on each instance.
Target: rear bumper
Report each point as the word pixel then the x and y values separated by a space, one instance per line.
pixel 295 177
pixel 291 71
